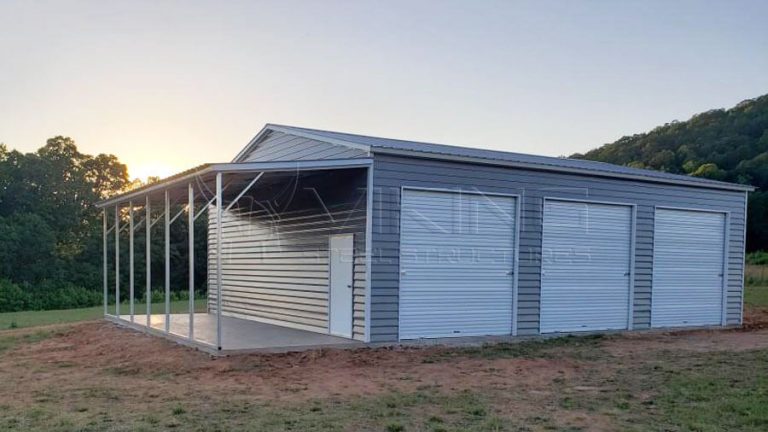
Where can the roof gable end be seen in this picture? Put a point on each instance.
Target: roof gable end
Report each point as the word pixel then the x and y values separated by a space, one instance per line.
pixel 296 132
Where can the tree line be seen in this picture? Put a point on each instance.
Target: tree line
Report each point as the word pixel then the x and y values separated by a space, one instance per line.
pixel 51 230
pixel 720 144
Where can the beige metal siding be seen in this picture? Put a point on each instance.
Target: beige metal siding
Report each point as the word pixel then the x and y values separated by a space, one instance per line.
pixel 275 267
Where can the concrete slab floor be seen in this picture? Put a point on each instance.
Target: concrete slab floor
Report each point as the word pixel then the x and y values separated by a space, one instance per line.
pixel 241 334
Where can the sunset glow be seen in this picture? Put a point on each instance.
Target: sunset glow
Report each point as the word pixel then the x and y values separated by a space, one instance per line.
pixel 151 169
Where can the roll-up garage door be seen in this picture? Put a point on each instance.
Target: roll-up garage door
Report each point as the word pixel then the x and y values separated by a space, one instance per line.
pixel 687 268
pixel 585 278
pixel 456 264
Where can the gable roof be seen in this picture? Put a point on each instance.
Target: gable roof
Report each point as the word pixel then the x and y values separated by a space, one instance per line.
pixel 494 157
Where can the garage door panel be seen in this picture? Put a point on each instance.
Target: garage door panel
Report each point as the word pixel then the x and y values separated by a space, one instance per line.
pixel 585 266
pixel 456 257
pixel 687 284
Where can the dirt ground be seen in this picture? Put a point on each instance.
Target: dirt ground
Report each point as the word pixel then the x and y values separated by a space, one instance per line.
pixel 140 372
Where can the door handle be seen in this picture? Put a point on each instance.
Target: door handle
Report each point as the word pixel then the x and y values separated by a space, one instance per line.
pixel 349 286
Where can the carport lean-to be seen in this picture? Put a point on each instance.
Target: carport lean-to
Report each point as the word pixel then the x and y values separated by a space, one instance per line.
pixel 291 207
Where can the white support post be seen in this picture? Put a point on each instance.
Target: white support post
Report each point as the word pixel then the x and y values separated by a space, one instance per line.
pixel 167 264
pixel 219 238
pixel 104 262
pixel 117 260
pixel 130 257
pixel 148 270
pixel 191 222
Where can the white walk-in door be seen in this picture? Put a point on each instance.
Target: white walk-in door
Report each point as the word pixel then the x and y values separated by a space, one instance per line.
pixel 456 264
pixel 341 274
pixel 688 254
pixel 586 266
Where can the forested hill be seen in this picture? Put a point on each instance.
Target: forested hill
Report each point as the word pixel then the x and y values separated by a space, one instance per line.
pixel 722 144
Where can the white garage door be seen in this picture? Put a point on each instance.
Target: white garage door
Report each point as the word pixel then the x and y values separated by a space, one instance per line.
pixel 456 262
pixel 585 278
pixel 687 268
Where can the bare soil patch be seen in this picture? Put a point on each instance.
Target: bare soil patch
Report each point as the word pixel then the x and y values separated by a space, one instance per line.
pixel 86 371
pixel 85 348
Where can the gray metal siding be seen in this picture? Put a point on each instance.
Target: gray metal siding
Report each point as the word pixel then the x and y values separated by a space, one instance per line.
pixel 393 172
pixel 275 267
pixel 278 146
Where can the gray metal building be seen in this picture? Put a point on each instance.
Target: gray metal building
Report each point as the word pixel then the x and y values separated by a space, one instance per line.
pixel 382 240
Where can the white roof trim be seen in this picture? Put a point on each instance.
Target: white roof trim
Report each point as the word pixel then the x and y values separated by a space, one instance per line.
pixel 246 167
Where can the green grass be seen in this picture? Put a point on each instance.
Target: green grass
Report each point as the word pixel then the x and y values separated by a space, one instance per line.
pixel 756 275
pixel 667 389
pixel 10 341
pixel 425 410
pixel 720 391
pixel 574 347
pixel 37 318
pixel 756 296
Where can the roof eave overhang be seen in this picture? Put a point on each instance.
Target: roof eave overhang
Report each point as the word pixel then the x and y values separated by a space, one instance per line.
pixel 540 167
pixel 237 168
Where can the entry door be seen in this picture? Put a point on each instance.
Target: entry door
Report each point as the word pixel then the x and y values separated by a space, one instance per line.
pixel 456 264
pixel 585 277
pixel 687 268
pixel 341 273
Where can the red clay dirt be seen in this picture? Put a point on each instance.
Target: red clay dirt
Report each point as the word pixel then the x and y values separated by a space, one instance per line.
pixel 94 356
pixel 306 375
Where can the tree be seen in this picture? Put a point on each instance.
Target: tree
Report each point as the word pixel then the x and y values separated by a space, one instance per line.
pixel 50 230
pixel 729 145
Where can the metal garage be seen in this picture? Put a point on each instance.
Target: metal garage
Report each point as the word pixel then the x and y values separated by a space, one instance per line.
pixel 586 266
pixel 319 237
pixel 688 268
pixel 456 264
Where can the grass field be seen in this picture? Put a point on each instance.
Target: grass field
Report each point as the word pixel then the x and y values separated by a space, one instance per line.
pixel 95 376
pixel 756 296
pixel 39 318
pixel 126 381
pixel 756 275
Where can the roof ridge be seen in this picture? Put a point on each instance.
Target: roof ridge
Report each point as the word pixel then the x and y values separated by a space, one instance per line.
pixel 562 163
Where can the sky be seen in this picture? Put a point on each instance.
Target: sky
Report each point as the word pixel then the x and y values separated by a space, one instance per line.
pixel 167 85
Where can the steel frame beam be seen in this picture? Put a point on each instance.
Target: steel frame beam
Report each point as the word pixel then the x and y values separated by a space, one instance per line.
pixel 104 261
pixel 167 263
pixel 244 191
pixel 176 216
pixel 241 168
pixel 219 238
pixel 130 257
pixel 117 260
pixel 148 258
pixel 191 229
pixel 207 204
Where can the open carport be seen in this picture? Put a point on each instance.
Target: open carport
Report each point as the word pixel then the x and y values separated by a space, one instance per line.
pixel 276 231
